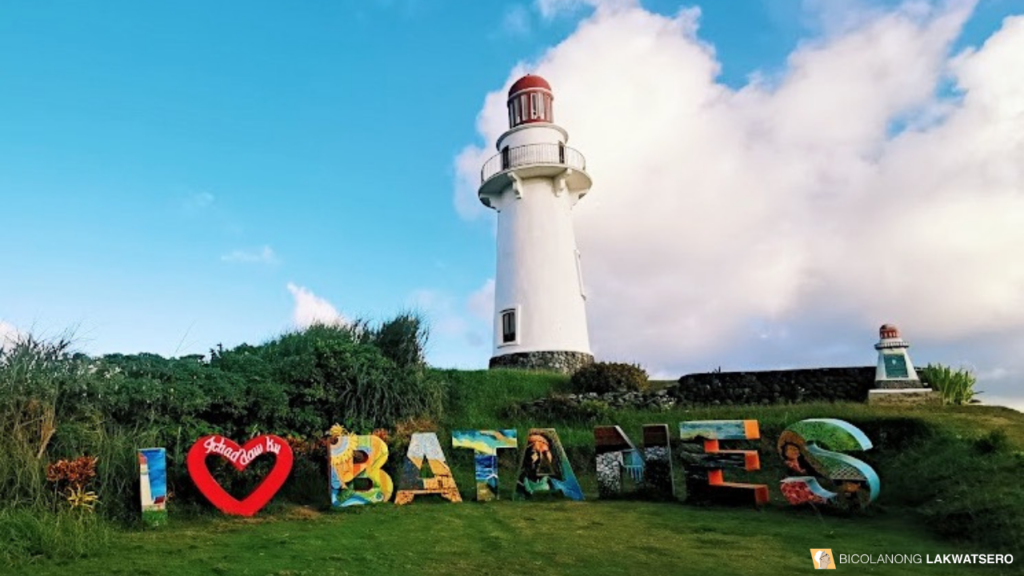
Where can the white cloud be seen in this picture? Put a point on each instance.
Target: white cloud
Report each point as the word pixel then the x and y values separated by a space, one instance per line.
pixel 9 335
pixel 460 327
pixel 516 20
pixel 312 309
pixel 551 8
pixel 719 215
pixel 198 201
pixel 263 255
pixel 445 320
pixel 481 302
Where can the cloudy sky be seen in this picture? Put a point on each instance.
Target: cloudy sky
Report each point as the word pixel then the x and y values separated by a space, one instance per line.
pixel 772 179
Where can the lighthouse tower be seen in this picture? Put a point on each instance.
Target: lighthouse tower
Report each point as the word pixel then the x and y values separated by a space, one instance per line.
pixel 533 183
pixel 894 367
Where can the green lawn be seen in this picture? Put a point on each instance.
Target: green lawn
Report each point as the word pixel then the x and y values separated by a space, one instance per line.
pixel 535 538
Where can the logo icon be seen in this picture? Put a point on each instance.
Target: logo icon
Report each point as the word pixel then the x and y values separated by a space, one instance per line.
pixel 823 559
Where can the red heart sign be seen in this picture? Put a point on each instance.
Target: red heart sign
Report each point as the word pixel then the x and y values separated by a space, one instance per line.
pixel 240 457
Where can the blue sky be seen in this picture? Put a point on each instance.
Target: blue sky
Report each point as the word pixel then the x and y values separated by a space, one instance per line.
pixel 166 170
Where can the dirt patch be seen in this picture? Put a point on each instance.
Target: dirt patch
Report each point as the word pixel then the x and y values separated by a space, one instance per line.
pixel 302 513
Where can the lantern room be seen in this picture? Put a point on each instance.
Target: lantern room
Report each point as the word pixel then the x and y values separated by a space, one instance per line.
pixel 529 100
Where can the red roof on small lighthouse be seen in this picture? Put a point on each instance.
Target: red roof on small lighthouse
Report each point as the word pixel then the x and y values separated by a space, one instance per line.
pixel 888 331
pixel 527 82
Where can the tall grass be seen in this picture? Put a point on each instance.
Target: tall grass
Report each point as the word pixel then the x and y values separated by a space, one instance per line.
pixel 36 380
pixel 27 534
pixel 954 386
pixel 41 388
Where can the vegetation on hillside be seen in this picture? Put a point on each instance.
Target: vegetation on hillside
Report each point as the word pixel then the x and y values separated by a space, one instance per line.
pixel 955 469
pixel 58 404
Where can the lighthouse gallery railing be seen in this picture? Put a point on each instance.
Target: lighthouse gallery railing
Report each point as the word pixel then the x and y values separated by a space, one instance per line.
pixel 530 154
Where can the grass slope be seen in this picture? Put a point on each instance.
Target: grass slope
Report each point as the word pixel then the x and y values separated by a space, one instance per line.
pixel 540 539
pixel 479 396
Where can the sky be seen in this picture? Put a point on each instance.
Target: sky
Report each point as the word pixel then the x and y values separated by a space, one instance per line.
pixel 773 179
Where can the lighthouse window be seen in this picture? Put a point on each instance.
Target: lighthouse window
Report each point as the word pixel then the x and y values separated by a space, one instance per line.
pixel 508 326
pixel 511 117
pixel 542 108
pixel 515 106
pixel 534 106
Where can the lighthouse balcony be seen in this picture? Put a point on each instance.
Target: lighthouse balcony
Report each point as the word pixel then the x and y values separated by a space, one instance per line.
pixel 545 160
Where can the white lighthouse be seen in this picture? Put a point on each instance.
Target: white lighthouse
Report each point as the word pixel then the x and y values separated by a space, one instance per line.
pixel 895 369
pixel 533 183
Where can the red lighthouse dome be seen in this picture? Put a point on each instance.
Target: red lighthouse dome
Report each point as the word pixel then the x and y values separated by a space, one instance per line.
pixel 888 332
pixel 528 82
pixel 529 100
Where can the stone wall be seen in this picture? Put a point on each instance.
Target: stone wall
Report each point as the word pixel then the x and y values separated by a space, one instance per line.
pixel 776 386
pixel 553 361
pixel 657 400
pixel 715 389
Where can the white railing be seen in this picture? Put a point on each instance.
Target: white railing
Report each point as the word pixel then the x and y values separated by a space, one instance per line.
pixel 532 154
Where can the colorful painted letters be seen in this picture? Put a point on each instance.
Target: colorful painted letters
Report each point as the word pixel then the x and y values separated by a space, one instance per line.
pixel 810 449
pixel 153 486
pixel 425 471
pixel 704 477
pixel 545 467
pixel 851 482
pixel 615 454
pixel 356 474
pixel 240 457
pixel 485 445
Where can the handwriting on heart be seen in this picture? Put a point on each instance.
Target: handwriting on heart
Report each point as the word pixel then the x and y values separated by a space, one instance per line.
pixel 240 457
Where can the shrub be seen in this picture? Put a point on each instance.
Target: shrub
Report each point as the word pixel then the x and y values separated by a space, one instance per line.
pixel 602 377
pixel 955 387
pixel 403 340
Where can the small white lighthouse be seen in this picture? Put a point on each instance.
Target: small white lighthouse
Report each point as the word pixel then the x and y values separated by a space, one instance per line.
pixel 895 369
pixel 533 183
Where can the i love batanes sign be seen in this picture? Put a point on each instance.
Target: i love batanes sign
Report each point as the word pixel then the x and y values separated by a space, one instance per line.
pixel 813 451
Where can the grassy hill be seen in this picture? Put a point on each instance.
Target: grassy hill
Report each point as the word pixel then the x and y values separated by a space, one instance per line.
pixel 956 470
pixel 950 482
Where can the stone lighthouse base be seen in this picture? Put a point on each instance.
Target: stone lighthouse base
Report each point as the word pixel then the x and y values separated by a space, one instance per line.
pixel 903 396
pixel 548 360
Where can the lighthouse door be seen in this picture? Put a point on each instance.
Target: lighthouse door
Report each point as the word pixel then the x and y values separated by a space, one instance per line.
pixel 505 158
